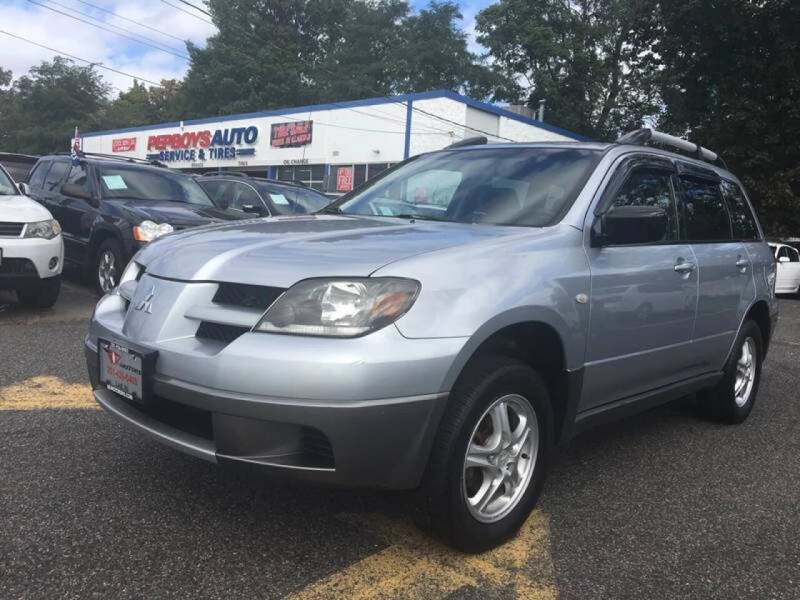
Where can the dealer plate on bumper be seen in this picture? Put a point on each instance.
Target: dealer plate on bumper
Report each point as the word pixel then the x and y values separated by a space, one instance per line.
pixel 125 371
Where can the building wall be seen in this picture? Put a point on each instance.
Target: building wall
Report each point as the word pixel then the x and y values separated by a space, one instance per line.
pixel 370 132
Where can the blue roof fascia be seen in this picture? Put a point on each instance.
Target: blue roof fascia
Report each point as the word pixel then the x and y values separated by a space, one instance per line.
pixel 349 104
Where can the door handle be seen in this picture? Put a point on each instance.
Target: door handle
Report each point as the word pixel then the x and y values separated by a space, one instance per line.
pixel 742 264
pixel 684 267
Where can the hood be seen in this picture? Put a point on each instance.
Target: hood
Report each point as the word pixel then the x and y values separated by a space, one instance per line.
pixel 178 214
pixel 280 251
pixel 21 209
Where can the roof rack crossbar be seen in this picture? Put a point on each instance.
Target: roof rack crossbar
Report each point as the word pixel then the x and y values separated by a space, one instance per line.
pixel 132 159
pixel 479 140
pixel 641 137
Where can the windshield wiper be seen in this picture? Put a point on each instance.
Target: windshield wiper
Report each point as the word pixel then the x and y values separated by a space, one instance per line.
pixel 416 217
pixel 330 210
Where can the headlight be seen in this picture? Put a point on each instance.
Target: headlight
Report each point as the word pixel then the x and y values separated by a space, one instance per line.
pixel 147 231
pixel 43 229
pixel 340 308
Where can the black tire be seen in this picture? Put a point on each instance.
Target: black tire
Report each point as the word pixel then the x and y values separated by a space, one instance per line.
pixel 442 502
pixel 106 248
pixel 720 402
pixel 42 294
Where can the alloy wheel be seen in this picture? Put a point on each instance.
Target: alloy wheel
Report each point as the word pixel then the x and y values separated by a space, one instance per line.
pixel 107 271
pixel 500 458
pixel 745 372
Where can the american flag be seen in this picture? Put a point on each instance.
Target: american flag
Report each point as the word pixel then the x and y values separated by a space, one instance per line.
pixel 76 146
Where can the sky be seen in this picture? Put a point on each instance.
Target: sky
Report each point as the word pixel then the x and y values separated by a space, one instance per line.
pixel 39 21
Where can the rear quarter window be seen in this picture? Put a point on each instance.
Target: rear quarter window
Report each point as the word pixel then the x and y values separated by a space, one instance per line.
pixel 743 222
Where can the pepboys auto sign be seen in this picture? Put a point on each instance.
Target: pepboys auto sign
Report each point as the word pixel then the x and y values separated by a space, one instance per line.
pixel 194 146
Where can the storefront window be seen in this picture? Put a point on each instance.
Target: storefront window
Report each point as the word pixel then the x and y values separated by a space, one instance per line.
pixel 311 175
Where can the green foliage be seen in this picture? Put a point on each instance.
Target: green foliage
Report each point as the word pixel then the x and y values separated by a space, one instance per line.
pixel 44 106
pixel 273 53
pixel 141 104
pixel 592 61
pixel 731 81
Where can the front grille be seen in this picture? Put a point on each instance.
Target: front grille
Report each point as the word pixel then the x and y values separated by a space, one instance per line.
pixel 219 332
pixel 11 229
pixel 248 296
pixel 17 266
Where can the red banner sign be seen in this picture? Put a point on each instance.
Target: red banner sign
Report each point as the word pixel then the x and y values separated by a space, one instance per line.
pixel 291 135
pixel 344 179
pixel 123 144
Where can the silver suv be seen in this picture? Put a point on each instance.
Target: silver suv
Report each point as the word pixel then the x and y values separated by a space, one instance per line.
pixel 443 327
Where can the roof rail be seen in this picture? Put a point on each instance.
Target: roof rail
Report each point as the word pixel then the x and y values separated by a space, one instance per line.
pixel 131 159
pixel 225 173
pixel 641 137
pixel 470 141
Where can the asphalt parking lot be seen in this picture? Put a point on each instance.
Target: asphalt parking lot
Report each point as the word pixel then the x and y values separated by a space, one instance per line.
pixel 661 505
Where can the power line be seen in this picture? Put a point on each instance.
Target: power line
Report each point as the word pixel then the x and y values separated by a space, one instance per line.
pixel 89 62
pixel 194 6
pixel 106 24
pixel 111 12
pixel 184 56
pixel 183 10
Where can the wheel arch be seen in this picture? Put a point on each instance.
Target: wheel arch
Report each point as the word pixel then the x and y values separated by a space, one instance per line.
pixel 542 340
pixel 759 312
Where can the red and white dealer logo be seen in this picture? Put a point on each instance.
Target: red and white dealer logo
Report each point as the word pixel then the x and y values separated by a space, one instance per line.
pixel 113 357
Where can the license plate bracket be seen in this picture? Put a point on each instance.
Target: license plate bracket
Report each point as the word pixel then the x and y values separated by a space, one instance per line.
pixel 126 370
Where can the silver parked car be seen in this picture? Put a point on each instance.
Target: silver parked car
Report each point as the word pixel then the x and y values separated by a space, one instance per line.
pixel 444 326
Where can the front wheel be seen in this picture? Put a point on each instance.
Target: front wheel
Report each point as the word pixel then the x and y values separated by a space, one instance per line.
pixel 732 399
pixel 490 457
pixel 107 266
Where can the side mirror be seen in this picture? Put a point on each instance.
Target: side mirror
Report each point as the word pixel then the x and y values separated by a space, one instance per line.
pixel 253 208
pixel 23 189
pixel 76 191
pixel 783 259
pixel 630 225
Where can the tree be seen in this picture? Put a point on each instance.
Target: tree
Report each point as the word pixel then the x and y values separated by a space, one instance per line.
pixel 140 104
pixel 731 81
pixel 49 102
pixel 591 60
pixel 275 53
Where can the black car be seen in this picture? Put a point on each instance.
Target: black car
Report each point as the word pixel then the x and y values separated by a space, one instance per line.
pixel 260 196
pixel 109 207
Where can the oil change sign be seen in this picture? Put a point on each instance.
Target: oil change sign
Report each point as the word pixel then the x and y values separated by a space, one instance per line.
pixel 197 146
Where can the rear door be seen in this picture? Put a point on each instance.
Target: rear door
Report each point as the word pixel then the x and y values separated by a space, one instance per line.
pixel 643 295
pixel 726 287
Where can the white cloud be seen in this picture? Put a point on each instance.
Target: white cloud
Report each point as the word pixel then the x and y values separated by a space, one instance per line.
pixel 83 40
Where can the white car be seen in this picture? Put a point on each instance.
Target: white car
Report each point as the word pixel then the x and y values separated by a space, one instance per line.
pixel 788 277
pixel 31 247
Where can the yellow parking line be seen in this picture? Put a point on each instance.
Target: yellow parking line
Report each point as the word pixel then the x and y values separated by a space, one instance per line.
pixel 46 392
pixel 414 566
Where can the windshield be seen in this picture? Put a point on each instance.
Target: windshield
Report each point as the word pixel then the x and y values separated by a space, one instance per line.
pixel 124 183
pixel 7 187
pixel 291 200
pixel 508 186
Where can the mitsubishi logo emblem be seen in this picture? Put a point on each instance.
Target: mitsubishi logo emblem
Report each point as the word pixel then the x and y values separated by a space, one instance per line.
pixel 146 303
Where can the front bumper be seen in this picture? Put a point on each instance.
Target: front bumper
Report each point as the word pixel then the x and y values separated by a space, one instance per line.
pixel 358 412
pixel 27 260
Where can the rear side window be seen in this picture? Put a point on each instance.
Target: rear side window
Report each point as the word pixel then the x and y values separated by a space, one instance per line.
pixel 39 171
pixel 704 211
pixel 743 222
pixel 55 176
